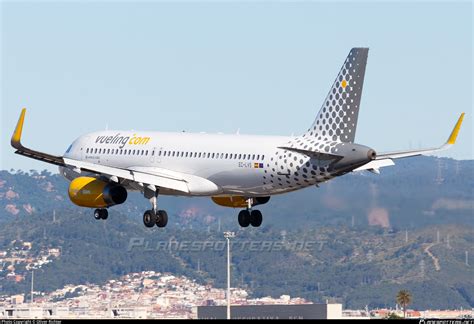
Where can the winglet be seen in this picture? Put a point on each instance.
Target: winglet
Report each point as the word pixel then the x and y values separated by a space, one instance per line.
pixel 454 133
pixel 16 138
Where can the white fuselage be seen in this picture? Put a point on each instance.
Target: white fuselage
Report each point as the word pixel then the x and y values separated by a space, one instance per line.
pixel 237 164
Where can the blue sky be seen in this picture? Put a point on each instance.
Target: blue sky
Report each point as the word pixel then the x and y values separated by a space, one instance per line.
pixel 262 67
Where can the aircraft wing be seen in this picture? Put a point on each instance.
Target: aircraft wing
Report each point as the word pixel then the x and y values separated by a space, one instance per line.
pixel 141 175
pixel 20 149
pixel 386 159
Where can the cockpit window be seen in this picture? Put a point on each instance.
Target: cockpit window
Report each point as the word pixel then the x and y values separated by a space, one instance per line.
pixel 69 148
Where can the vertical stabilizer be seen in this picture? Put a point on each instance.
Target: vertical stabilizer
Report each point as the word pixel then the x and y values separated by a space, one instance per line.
pixel 337 119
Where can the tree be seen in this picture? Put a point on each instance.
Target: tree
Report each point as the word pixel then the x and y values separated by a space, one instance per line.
pixel 393 316
pixel 404 299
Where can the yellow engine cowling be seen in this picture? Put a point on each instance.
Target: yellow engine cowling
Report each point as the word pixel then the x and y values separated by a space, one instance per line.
pixel 238 201
pixel 95 193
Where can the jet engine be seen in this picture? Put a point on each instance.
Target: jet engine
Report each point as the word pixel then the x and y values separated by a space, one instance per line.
pixel 238 201
pixel 95 193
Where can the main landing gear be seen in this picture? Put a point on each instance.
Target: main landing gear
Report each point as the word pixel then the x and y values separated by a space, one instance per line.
pixel 154 216
pixel 159 218
pixel 101 214
pixel 250 217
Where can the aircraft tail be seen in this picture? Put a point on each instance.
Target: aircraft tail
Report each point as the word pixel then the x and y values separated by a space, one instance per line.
pixel 337 119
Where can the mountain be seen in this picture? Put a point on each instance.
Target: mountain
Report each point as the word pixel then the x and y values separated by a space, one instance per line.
pixel 357 240
pixel 356 266
pixel 414 193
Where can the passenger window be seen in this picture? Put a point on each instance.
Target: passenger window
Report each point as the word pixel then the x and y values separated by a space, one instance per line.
pixel 253 157
pixel 226 155
pixel 263 157
pixel 258 157
pixel 243 157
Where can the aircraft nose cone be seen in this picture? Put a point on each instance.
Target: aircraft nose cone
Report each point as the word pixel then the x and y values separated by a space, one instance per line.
pixel 371 154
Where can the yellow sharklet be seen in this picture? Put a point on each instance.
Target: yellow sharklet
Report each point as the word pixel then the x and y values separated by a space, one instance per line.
pixel 454 133
pixel 16 138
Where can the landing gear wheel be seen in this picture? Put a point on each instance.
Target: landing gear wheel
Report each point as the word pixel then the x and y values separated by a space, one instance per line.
pixel 104 214
pixel 149 218
pixel 161 218
pixel 256 218
pixel 101 213
pixel 244 218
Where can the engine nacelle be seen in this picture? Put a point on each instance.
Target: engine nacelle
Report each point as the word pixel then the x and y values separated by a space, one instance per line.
pixel 95 193
pixel 238 201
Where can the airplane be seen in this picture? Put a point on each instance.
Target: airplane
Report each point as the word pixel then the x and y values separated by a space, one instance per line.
pixel 238 171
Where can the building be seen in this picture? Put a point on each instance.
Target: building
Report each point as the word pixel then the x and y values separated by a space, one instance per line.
pixel 17 299
pixel 304 311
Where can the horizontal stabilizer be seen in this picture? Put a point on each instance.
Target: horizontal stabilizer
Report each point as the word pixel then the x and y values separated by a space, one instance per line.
pixel 314 154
